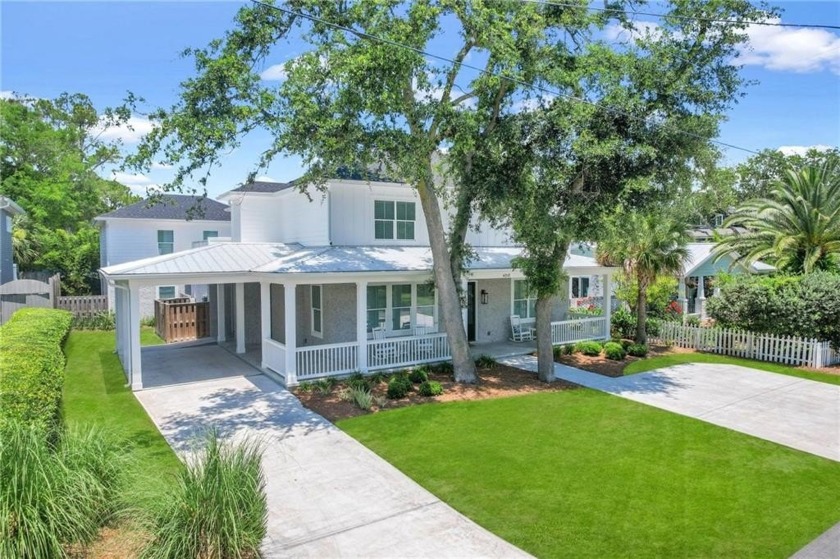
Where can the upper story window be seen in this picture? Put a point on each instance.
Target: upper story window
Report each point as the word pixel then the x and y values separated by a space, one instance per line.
pixel 210 234
pixel 579 287
pixel 166 242
pixel 524 301
pixel 393 220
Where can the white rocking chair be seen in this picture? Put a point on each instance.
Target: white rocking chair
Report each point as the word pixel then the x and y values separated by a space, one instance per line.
pixel 383 354
pixel 519 332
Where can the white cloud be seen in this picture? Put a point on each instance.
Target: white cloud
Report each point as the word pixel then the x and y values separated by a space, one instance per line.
pixel 129 133
pixel 138 183
pixel 792 50
pixel 802 150
pixel 157 165
pixel 7 94
pixel 275 73
pixel 641 29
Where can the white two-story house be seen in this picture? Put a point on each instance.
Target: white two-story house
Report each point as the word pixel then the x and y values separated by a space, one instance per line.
pixel 340 281
pixel 145 229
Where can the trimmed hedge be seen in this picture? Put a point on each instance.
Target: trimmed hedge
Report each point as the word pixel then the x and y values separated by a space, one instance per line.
pixel 614 351
pixel 32 368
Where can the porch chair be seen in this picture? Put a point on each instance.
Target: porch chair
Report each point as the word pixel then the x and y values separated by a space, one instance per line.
pixel 383 354
pixel 519 332
pixel 425 345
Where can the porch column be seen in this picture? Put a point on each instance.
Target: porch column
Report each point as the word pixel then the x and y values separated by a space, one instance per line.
pixel 265 319
pixel 119 310
pixel 682 298
pixel 607 298
pixel 361 325
pixel 290 308
pixel 701 297
pixel 240 318
pixel 136 374
pixel 220 312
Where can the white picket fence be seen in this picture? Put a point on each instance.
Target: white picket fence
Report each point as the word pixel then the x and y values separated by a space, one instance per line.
pixel 789 350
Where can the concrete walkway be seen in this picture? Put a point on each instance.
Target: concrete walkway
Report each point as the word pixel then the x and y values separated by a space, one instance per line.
pixel 328 495
pixel 802 414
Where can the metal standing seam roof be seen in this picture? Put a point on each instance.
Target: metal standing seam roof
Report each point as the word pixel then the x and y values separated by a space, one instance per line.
pixel 277 258
pixel 700 252
pixel 173 206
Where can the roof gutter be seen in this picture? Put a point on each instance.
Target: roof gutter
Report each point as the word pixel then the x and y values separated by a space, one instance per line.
pixel 7 204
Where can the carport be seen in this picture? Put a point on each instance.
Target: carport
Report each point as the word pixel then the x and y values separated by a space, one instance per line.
pixel 167 365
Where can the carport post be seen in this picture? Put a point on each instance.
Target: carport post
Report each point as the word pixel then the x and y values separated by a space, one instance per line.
pixel 134 336
pixel 290 310
pixel 220 312
pixel 265 320
pixel 240 318
pixel 361 325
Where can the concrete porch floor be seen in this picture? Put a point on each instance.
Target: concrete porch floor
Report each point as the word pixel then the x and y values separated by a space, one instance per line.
pixel 173 364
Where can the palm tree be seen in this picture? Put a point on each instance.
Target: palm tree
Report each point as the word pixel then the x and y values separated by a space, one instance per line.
pixel 24 247
pixel 798 227
pixel 646 245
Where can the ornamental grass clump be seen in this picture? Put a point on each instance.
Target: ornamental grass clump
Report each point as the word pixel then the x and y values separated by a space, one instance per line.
pixel 56 495
pixel 218 508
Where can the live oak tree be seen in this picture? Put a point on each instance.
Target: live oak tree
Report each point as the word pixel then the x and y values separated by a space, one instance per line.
pixel 52 153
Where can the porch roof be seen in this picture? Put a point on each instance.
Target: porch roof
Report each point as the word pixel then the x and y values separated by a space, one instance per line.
pixel 276 258
pixel 700 253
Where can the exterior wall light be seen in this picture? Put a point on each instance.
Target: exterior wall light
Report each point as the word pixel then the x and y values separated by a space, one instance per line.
pixel 484 296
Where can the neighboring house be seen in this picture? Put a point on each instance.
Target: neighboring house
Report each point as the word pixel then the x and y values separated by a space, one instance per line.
pixel 702 269
pixel 8 209
pixel 339 280
pixel 174 223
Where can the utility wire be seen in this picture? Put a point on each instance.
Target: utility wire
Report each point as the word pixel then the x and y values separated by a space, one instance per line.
pixel 685 18
pixel 486 72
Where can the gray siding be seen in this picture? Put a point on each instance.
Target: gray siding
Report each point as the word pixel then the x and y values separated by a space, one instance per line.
pixel 6 272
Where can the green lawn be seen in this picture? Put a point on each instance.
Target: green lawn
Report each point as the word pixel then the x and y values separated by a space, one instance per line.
pixel 95 392
pixel 658 362
pixel 148 336
pixel 584 474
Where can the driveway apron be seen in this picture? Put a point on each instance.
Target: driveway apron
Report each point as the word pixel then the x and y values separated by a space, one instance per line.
pixel 328 495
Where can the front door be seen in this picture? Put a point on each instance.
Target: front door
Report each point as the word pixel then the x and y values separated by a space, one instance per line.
pixel 471 311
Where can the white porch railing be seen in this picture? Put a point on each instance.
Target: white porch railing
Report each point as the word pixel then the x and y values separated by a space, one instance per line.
pixel 275 355
pixel 329 359
pixel 788 350
pixel 402 352
pixel 571 331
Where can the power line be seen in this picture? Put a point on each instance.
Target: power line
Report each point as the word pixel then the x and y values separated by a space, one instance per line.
pixel 685 18
pixel 485 71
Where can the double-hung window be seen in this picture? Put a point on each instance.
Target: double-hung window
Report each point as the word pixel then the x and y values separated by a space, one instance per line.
pixel 317 311
pixel 579 287
pixel 393 220
pixel 425 305
pixel 524 302
pixel 210 234
pixel 377 305
pixel 399 307
pixel 166 241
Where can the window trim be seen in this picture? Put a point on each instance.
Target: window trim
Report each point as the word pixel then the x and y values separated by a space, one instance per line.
pixel 320 309
pixel 205 236
pixel 589 287
pixel 389 308
pixel 530 298
pixel 174 291
pixel 170 243
pixel 394 222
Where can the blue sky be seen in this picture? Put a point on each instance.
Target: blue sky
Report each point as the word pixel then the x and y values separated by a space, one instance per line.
pixel 104 49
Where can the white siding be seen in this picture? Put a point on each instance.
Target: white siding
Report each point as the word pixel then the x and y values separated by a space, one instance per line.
pixel 286 217
pixel 132 239
pixel 351 213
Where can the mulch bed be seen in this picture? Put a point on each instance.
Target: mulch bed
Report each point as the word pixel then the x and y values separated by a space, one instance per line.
pixel 608 367
pixel 496 382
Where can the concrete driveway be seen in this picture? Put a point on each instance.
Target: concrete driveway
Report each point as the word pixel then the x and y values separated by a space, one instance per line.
pixel 802 414
pixel 328 495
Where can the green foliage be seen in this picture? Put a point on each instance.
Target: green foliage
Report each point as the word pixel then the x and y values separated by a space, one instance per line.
pixel 623 324
pixel 104 320
pixel 637 350
pixel 306 386
pixel 325 385
pixel 430 388
pixel 418 375
pixel 797 227
pixel 590 348
pixel 485 362
pixel 377 378
pixel 659 293
pixel 359 382
pixel 444 368
pixel 32 368
pixel 614 351
pixel 361 396
pixel 806 306
pixel 56 494
pixel 218 509
pixel 654 326
pixel 398 387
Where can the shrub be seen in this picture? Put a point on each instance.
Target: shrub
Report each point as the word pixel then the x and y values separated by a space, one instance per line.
pixel 614 351
pixel 692 320
pixel 637 350
pixel 376 378
pixel 56 495
pixel 32 368
pixel 362 397
pixel 444 368
pixel 325 385
pixel 590 348
pixel 485 362
pixel 359 382
pixel 398 387
pixel 623 324
pixel 430 388
pixel 625 343
pixel 557 350
pixel 306 386
pixel 218 508
pixel 104 320
pixel 653 326
pixel 418 375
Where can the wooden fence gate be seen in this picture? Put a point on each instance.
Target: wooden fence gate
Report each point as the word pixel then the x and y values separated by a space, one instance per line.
pixel 22 293
pixel 182 319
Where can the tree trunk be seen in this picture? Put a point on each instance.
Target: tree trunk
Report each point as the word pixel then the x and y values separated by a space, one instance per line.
pixel 450 304
pixel 545 350
pixel 641 314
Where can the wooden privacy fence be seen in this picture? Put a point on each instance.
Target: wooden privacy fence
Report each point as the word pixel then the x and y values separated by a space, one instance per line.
pixel 22 293
pixel 83 305
pixel 182 319
pixel 789 350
